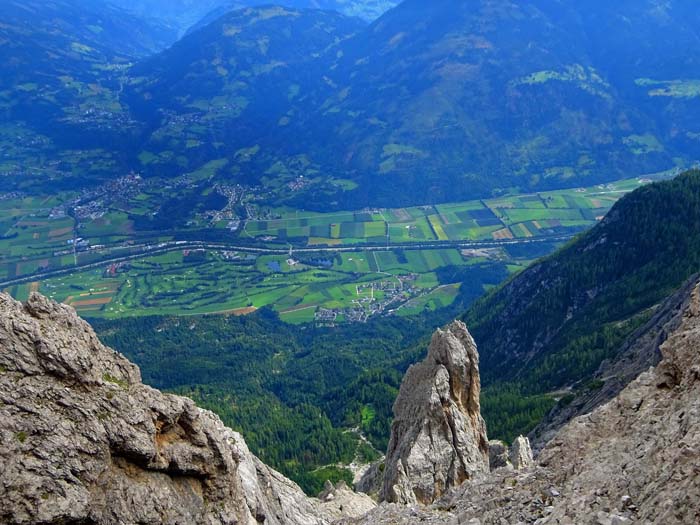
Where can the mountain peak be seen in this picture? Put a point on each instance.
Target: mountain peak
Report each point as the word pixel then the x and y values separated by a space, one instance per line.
pixel 438 438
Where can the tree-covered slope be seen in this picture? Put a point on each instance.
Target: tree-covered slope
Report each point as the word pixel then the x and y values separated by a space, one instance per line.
pixel 366 9
pixel 292 392
pixel 433 101
pixel 227 91
pixel 461 98
pixel 553 324
pixel 62 66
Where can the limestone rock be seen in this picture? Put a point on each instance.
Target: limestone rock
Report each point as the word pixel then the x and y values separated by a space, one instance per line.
pixel 639 352
pixel 438 437
pixel 371 481
pixel 521 454
pixel 641 451
pixel 340 501
pixel 84 441
pixel 635 459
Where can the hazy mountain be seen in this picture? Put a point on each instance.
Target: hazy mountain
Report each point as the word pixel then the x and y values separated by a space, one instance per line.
pixel 365 9
pixel 446 100
pixel 186 15
pixel 461 98
pixel 225 92
pixel 434 101
pixel 63 61
pixel 179 14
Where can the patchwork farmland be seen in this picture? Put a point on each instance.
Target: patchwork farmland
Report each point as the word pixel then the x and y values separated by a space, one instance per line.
pixel 107 254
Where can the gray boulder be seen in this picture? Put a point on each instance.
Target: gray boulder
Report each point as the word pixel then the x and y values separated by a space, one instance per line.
pixel 521 454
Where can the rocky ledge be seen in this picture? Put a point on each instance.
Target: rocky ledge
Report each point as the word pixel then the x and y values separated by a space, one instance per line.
pixel 84 441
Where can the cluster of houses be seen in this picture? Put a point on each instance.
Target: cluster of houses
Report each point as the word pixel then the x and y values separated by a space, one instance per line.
pixel 369 303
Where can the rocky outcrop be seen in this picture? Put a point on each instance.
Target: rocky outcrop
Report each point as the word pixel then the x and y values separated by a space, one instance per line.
pixel 499 455
pixel 640 351
pixel 635 459
pixel 517 457
pixel 339 501
pixel 521 454
pixel 84 441
pixel 371 481
pixel 438 437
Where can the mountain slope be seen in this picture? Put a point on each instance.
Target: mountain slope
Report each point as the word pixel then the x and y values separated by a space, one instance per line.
pixel 365 9
pixel 59 92
pixel 468 97
pixel 552 325
pixel 640 351
pixel 225 92
pixel 439 101
pixel 633 460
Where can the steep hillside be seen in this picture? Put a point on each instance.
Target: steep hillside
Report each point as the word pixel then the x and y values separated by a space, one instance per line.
pixel 552 325
pixel 277 383
pixel 633 460
pixel 63 63
pixel 365 9
pixel 462 98
pixel 640 351
pixel 227 91
pixel 434 101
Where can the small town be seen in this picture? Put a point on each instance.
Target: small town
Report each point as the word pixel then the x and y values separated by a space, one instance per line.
pixel 369 303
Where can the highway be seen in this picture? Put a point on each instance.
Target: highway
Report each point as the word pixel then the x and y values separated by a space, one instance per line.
pixel 166 247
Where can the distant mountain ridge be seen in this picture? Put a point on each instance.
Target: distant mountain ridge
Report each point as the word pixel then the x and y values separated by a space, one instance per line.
pixel 433 102
pixel 368 10
pixel 449 100
pixel 186 16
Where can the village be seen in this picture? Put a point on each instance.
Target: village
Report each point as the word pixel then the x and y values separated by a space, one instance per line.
pixel 373 299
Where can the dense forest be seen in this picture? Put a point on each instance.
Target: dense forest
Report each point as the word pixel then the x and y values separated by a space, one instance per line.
pixel 552 325
pixel 293 392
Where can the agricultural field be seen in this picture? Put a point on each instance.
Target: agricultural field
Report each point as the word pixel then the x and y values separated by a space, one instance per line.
pixel 349 286
pixel 114 251
pixel 511 217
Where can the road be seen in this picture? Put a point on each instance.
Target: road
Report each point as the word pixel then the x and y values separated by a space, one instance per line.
pixel 166 247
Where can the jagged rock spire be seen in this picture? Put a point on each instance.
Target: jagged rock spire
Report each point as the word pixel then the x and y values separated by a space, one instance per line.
pixel 438 437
